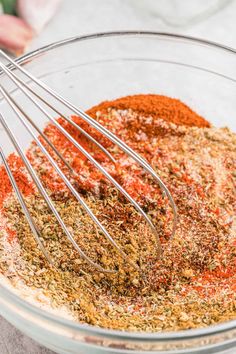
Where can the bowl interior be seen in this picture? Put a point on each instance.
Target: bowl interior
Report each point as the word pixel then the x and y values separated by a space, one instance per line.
pixel 105 67
pixel 102 67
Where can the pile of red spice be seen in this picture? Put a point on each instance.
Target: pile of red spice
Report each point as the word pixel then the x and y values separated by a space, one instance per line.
pixel 193 284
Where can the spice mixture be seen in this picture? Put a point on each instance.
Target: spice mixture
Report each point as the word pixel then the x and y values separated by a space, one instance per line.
pixel 193 284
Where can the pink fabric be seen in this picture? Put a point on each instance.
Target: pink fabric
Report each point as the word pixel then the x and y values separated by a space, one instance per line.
pixel 15 34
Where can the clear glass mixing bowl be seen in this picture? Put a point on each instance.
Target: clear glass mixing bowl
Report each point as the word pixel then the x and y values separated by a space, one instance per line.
pixel 104 66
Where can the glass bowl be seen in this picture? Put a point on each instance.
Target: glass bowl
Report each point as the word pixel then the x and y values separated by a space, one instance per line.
pixel 103 66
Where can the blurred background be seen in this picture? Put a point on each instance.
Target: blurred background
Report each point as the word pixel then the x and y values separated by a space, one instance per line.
pixel 26 25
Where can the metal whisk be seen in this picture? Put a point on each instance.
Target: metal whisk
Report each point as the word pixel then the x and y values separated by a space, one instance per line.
pixel 37 99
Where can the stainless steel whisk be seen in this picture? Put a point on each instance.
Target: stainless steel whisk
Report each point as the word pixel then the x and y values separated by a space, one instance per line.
pixel 37 99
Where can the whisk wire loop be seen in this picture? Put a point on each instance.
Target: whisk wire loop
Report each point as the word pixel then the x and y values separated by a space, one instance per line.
pixel 112 137
pixel 29 123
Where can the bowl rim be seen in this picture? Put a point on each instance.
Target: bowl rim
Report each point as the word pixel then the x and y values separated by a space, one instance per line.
pixel 166 35
pixel 98 331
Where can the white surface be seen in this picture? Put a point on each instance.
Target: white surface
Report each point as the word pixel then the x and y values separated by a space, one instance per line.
pixel 77 17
